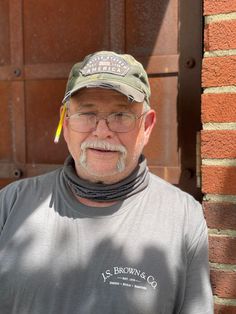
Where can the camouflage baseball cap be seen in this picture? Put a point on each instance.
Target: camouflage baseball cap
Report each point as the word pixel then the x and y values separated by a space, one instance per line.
pixel 107 69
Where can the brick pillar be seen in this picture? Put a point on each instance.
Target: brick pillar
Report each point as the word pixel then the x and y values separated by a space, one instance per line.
pixel 218 147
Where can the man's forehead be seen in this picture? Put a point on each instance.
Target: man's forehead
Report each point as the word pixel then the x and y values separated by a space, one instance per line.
pixel 98 97
pixel 97 93
pixel 105 100
pixel 114 107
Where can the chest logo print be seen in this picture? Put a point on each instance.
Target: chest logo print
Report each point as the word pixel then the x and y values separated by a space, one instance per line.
pixel 129 277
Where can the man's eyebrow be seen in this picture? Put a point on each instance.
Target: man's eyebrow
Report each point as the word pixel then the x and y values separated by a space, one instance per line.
pixel 85 105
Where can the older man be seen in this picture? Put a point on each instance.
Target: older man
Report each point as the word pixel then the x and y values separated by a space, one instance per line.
pixel 103 235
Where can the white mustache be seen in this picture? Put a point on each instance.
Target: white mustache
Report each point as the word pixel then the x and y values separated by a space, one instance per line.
pixel 104 145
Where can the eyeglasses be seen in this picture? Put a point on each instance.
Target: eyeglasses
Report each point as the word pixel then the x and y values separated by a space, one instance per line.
pixel 120 122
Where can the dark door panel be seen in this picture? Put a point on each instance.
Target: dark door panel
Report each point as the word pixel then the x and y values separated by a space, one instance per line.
pixel 39 42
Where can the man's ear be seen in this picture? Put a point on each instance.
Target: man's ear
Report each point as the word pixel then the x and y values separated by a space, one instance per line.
pixel 150 121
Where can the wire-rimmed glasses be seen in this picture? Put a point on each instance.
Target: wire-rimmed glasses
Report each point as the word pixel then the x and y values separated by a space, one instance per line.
pixel 120 122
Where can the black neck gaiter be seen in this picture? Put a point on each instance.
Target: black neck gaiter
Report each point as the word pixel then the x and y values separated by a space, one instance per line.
pixel 133 184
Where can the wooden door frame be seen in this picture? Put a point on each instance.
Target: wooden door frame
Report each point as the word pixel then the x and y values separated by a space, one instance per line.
pixel 188 106
pixel 189 98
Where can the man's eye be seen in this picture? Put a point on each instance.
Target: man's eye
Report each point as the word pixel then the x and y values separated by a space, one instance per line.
pixel 122 114
pixel 83 115
pixel 87 114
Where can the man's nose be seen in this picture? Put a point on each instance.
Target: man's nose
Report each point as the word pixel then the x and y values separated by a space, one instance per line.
pixel 102 130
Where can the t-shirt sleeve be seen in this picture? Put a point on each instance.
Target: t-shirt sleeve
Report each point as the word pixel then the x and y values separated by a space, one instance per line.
pixel 198 293
pixel 8 196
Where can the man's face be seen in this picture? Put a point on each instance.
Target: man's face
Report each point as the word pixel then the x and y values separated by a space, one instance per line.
pixel 102 155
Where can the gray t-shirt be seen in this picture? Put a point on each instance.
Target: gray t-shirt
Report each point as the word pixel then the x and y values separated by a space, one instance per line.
pixel 145 255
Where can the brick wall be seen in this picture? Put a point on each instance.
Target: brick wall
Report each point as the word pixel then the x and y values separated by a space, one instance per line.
pixel 218 147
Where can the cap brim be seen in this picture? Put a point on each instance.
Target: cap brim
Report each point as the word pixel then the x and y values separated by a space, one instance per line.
pixel 132 93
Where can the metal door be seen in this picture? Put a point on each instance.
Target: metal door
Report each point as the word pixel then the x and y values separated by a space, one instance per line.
pixel 39 42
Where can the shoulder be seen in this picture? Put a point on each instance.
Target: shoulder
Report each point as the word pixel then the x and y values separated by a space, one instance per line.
pixel 173 197
pixel 168 191
pixel 29 185
pixel 177 204
pixel 23 193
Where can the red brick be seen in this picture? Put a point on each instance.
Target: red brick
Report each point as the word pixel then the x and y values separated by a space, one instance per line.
pixel 219 71
pixel 224 309
pixel 218 144
pixel 219 180
pixel 220 35
pixel 219 107
pixel 219 6
pixel 220 215
pixel 224 283
pixel 222 249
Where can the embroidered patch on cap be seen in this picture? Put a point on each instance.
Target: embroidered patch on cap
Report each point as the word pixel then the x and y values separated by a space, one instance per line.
pixel 106 64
